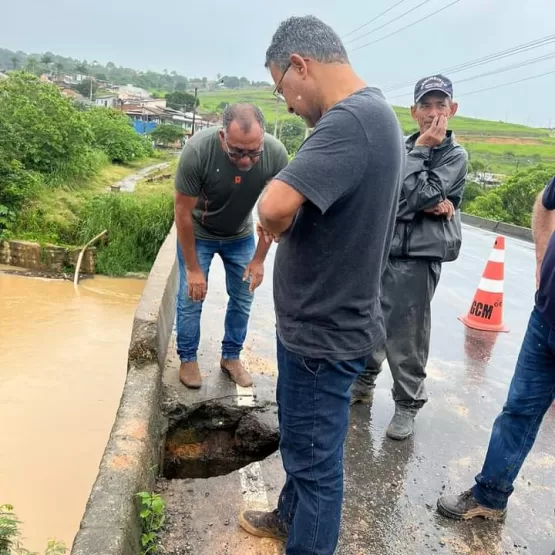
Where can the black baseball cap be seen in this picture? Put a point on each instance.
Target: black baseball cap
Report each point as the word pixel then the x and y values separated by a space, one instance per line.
pixel 434 83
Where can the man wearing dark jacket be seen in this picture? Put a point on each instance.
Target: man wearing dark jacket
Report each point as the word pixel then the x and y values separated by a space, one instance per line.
pixel 427 233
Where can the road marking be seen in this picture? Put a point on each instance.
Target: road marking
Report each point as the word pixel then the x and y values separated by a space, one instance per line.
pixel 253 487
pixel 245 396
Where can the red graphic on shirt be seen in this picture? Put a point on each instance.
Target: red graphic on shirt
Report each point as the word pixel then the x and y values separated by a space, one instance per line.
pixel 237 179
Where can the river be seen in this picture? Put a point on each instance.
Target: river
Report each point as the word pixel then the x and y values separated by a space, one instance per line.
pixel 63 355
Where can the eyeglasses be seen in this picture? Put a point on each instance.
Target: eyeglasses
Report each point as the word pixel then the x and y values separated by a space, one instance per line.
pixel 276 93
pixel 238 153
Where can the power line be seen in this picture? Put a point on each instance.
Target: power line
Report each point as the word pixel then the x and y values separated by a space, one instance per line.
pixel 525 63
pixel 406 27
pixel 389 22
pixel 372 20
pixel 509 83
pixel 481 61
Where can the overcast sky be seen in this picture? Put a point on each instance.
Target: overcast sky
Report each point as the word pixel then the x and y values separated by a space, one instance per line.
pixel 203 38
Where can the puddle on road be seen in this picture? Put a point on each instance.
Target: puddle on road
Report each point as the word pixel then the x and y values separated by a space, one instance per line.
pixel 63 360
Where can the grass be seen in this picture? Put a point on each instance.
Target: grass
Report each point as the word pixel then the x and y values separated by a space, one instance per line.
pixel 473 133
pixel 53 216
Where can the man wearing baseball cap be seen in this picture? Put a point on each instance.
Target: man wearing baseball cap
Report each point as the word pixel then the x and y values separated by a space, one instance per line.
pixel 427 233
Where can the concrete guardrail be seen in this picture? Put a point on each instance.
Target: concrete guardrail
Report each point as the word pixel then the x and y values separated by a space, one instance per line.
pixel 510 230
pixel 110 525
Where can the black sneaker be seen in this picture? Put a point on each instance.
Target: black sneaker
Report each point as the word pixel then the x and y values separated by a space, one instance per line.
pixel 465 507
pixel 263 524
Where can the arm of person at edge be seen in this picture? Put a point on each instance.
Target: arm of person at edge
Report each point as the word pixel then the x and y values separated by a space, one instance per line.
pixel 427 190
pixel 314 175
pixel 543 223
pixel 255 269
pixel 187 189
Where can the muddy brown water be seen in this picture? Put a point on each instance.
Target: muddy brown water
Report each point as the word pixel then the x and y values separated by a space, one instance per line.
pixel 63 355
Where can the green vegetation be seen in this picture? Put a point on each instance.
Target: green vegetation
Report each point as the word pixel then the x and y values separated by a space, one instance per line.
pixel 167 134
pixel 55 168
pixel 511 202
pixel 10 536
pixel 152 517
pixel 151 80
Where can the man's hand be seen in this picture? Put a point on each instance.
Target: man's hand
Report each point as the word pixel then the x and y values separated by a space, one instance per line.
pixel 265 235
pixel 254 271
pixel 444 208
pixel 435 135
pixel 196 285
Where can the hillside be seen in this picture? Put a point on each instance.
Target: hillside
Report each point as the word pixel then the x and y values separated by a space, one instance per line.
pixel 502 147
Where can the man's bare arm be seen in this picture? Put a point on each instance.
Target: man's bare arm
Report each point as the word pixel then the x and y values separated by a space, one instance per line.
pixel 278 206
pixel 196 280
pixel 543 225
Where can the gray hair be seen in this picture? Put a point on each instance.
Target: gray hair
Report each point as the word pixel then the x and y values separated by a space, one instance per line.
pixel 244 114
pixel 306 36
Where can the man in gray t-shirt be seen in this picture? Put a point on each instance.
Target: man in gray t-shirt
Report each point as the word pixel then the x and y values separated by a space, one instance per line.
pixel 221 173
pixel 333 207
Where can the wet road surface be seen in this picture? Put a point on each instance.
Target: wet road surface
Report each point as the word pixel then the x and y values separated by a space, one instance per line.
pixel 390 487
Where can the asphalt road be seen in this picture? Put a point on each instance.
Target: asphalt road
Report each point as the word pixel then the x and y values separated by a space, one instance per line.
pixel 391 488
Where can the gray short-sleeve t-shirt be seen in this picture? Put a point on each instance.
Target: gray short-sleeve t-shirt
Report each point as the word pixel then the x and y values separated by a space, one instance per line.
pixel 226 195
pixel 329 263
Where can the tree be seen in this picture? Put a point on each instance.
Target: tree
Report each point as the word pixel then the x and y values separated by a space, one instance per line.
pixel 183 101
pixel 31 64
pixel 40 128
pixel 14 61
pixel 113 134
pixel 82 69
pixel 84 87
pixel 46 60
pixel 167 134
pixel 512 202
pixel 292 134
pixel 59 67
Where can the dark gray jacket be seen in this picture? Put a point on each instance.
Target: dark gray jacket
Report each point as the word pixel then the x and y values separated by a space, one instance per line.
pixel 431 175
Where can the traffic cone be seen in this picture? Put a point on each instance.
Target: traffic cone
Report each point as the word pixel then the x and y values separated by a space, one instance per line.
pixel 486 311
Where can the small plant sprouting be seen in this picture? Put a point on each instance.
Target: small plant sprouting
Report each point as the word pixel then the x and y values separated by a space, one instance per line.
pixel 152 516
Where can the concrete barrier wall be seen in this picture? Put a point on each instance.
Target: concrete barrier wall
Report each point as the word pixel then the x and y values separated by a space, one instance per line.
pixel 523 233
pixel 110 525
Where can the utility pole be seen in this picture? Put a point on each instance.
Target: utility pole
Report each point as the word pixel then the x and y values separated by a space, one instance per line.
pixel 90 78
pixel 194 112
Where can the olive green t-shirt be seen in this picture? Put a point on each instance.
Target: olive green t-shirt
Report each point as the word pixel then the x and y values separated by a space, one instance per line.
pixel 226 195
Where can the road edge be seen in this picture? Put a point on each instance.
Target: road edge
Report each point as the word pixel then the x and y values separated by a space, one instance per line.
pixel 503 228
pixel 110 524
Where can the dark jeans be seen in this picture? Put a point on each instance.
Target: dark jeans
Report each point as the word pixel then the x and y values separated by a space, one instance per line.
pixel 531 393
pixel 408 287
pixel 236 255
pixel 313 409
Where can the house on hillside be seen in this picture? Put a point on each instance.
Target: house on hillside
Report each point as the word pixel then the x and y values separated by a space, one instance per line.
pixel 130 92
pixel 146 116
pixel 107 101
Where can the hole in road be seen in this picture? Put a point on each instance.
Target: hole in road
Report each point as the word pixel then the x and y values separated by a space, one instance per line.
pixel 215 440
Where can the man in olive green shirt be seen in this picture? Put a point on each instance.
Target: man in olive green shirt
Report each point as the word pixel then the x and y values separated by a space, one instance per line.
pixel 221 174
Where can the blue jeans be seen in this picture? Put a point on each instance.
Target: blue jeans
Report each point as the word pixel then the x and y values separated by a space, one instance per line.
pixel 313 409
pixel 531 393
pixel 236 255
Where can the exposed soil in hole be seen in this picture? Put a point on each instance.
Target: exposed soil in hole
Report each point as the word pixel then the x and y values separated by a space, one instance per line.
pixel 217 439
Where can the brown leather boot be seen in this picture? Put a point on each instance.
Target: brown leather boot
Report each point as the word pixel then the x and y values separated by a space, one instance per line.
pixel 236 371
pixel 189 374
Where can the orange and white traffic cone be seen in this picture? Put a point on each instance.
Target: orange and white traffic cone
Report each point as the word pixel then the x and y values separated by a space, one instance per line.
pixel 486 311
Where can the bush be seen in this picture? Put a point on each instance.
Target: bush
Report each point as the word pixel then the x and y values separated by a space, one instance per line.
pixel 16 186
pixel 167 134
pixel 114 135
pixel 39 127
pixel 513 201
pixel 137 226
